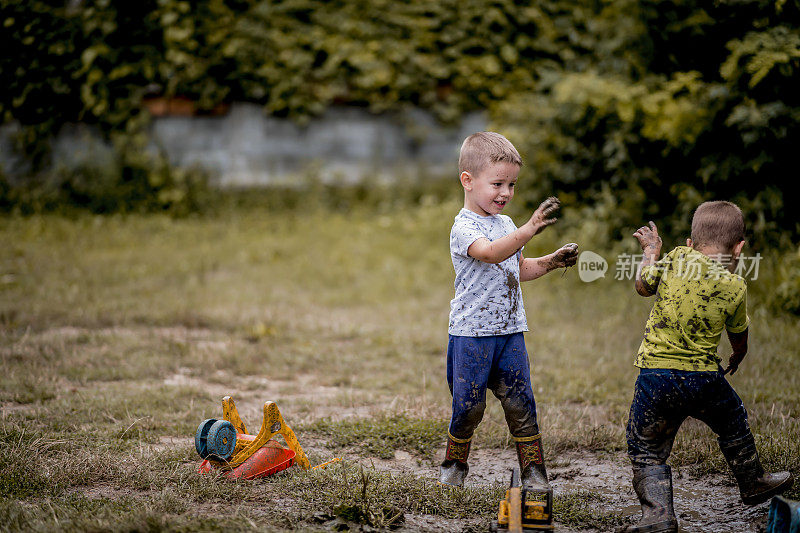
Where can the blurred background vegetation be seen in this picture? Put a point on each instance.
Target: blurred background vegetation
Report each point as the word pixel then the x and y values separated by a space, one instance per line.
pixel 628 110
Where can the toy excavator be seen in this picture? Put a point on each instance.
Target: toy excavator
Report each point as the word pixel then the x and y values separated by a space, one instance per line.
pixel 226 445
pixel 524 509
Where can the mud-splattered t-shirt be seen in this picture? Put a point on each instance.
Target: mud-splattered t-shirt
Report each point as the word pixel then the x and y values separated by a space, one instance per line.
pixel 488 297
pixel 697 298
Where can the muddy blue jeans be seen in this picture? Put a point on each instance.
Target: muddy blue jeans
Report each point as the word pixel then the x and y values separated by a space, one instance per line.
pixel 663 399
pixel 499 363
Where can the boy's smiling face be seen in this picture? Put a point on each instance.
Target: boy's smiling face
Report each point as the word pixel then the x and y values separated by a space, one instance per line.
pixel 489 191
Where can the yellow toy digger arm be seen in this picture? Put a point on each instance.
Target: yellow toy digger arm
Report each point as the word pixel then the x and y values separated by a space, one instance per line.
pixel 272 424
pixel 231 414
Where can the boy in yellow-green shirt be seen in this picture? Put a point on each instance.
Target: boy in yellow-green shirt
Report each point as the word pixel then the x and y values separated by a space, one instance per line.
pixel 698 296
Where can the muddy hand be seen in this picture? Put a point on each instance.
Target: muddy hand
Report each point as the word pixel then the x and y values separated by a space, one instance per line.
pixel 733 363
pixel 566 256
pixel 649 239
pixel 543 216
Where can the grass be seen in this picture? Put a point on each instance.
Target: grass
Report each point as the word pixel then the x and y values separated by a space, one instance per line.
pixel 381 436
pixel 583 509
pixel 119 332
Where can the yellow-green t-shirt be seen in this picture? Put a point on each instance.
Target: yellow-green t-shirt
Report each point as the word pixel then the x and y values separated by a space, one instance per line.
pixel 696 299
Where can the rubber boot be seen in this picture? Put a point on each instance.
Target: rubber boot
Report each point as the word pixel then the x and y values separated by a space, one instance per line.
pixel 454 467
pixel 531 463
pixel 755 485
pixel 653 486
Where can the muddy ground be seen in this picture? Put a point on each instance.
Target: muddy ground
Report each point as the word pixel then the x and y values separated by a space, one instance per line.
pixel 709 504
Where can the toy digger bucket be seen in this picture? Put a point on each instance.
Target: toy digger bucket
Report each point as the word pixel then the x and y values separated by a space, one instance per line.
pixel 784 516
pixel 268 460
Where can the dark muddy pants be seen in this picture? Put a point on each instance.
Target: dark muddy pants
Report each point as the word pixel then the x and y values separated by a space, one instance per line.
pixel 664 398
pixel 499 363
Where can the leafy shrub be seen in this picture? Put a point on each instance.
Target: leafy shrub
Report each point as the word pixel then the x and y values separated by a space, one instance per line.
pixel 786 283
pixel 696 110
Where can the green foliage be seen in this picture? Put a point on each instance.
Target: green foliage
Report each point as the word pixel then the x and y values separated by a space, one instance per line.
pixel 92 62
pixel 704 108
pixel 649 104
pixel 39 89
pixel 759 53
pixel 787 292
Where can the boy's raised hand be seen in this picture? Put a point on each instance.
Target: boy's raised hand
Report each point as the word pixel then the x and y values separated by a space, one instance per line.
pixel 566 256
pixel 542 217
pixel 649 239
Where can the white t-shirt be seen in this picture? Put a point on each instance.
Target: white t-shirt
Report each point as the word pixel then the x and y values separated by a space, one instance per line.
pixel 488 298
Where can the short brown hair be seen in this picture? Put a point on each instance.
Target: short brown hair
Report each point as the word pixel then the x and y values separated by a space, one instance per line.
pixel 717 223
pixel 484 147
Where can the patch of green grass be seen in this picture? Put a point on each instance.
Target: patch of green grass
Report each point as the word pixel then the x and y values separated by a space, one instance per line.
pixel 162 512
pixel 124 411
pixel 583 509
pixel 28 389
pixel 19 480
pixel 33 465
pixel 26 468
pixel 373 491
pixel 383 435
pixel 781 451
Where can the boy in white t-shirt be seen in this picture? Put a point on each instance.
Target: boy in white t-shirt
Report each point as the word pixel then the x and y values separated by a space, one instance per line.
pixel 486 347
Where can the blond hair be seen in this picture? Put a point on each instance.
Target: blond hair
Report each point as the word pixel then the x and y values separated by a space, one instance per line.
pixel 484 147
pixel 717 223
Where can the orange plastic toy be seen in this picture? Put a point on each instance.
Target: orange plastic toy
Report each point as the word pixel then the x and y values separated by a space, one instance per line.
pixel 267 460
pixel 226 445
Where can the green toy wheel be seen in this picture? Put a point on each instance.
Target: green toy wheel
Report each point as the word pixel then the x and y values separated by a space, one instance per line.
pixel 221 440
pixel 201 436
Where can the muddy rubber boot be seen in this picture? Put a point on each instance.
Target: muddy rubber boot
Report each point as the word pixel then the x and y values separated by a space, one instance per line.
pixel 454 467
pixel 653 486
pixel 531 463
pixel 755 485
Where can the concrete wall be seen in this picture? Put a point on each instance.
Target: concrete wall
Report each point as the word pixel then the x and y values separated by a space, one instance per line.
pixel 246 147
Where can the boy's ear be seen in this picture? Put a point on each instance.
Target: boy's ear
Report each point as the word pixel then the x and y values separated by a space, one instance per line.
pixel 689 242
pixel 737 249
pixel 466 180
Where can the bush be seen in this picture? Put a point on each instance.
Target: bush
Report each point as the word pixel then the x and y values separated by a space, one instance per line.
pixel 786 283
pixel 683 102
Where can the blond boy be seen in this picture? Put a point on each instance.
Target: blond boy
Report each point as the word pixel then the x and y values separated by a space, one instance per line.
pixel 486 347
